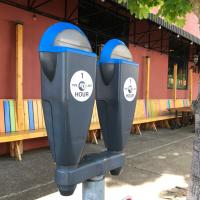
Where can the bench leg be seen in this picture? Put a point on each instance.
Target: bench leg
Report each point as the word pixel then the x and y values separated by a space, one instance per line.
pixel 166 122
pixel 178 122
pixel 21 147
pixel 153 125
pixel 93 136
pixel 146 126
pixel 12 149
pixel 137 128
pixel 18 151
pixel 161 123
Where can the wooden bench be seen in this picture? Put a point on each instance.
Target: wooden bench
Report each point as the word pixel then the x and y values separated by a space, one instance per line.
pixel 156 110
pixel 34 126
pixel 185 113
pixel 94 126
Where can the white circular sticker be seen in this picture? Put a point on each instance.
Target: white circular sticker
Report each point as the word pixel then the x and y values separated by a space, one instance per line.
pixel 81 86
pixel 130 89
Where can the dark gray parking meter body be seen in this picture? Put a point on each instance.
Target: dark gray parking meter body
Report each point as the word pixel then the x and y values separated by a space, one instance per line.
pixel 68 70
pixel 116 89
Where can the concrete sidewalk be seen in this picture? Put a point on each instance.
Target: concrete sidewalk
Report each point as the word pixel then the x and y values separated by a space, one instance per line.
pixel 157 167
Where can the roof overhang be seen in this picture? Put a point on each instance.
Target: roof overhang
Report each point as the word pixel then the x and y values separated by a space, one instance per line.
pixel 174 29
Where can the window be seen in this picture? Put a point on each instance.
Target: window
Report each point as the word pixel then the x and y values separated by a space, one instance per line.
pixel 102 24
pixel 179 53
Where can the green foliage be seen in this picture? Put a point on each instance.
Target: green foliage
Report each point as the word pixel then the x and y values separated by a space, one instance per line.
pixel 173 11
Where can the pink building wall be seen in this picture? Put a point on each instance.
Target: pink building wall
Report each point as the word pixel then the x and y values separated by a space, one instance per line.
pixel 159 66
pixel 192 25
pixel 158 75
pixel 33 30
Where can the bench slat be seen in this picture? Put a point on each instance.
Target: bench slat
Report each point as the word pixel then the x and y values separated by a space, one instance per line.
pixel 35 110
pixel 31 115
pixel 94 126
pixel 12 116
pixel 34 118
pixel 26 117
pixel 40 115
pixel 43 121
pixel 153 119
pixel 7 116
pixel 23 135
pixel 2 127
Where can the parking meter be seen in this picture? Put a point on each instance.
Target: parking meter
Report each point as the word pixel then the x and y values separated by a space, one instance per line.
pixel 116 89
pixel 68 77
pixel 68 70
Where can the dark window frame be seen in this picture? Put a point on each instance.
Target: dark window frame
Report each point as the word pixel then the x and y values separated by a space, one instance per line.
pixel 179 54
pixel 101 25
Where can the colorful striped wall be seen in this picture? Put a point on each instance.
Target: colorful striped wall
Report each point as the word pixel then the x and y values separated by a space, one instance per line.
pixel 33 116
pixel 157 107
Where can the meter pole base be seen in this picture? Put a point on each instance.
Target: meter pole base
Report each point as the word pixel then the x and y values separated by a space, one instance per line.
pixel 94 189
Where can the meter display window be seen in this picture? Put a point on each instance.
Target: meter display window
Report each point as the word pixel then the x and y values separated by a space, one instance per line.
pixel 121 52
pixel 73 39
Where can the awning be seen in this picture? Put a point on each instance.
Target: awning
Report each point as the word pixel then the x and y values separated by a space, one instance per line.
pixel 173 28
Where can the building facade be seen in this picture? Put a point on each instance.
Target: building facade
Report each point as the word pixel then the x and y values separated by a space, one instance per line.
pixel 100 21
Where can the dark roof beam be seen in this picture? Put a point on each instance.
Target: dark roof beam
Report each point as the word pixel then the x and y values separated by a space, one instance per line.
pixel 72 13
pixel 152 41
pixel 108 28
pixel 174 29
pixel 161 38
pixel 91 15
pixel 33 10
pixel 139 39
pixel 149 36
pixel 42 4
pixel 29 3
pixel 134 30
pixel 145 32
pixel 108 7
pixel 32 3
pixel 65 7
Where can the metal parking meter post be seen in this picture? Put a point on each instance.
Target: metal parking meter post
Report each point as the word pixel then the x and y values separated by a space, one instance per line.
pixel 94 189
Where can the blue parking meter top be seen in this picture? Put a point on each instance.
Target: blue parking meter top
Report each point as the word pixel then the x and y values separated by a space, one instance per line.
pixel 115 51
pixel 62 37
